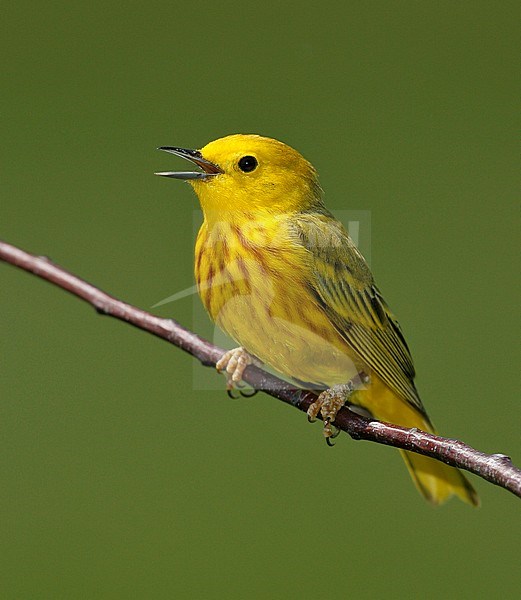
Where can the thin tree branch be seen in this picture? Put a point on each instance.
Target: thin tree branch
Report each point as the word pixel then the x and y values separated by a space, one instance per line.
pixel 496 468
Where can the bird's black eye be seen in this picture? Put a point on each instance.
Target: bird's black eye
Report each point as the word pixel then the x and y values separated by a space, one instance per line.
pixel 248 164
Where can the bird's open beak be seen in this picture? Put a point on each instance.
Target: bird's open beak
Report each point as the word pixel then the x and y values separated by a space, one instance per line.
pixel 209 169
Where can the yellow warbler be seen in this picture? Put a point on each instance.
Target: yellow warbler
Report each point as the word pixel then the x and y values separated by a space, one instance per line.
pixel 281 276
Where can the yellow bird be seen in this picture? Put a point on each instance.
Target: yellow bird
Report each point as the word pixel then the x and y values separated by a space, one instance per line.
pixel 278 273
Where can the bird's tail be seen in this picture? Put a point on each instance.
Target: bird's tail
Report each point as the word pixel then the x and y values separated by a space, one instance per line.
pixel 436 481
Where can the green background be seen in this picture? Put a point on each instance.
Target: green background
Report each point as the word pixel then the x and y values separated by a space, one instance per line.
pixel 119 479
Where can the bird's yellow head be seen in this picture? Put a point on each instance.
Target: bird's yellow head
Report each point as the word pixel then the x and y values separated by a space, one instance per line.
pixel 249 174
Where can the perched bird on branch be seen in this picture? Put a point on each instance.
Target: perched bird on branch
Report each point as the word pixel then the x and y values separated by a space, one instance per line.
pixel 278 273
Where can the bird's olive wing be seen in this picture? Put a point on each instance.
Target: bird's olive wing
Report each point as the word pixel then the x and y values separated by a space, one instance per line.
pixel 343 286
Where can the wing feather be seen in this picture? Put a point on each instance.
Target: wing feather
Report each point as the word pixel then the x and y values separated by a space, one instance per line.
pixel 343 286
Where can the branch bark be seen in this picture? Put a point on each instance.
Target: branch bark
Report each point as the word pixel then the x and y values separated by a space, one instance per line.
pixel 495 468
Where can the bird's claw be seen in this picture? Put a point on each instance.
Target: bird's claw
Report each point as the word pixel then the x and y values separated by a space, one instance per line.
pixel 233 363
pixel 328 404
pixel 248 394
pixel 332 432
pixel 232 387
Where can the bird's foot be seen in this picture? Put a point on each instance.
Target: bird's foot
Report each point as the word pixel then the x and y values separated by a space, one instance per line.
pixel 233 363
pixel 328 404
